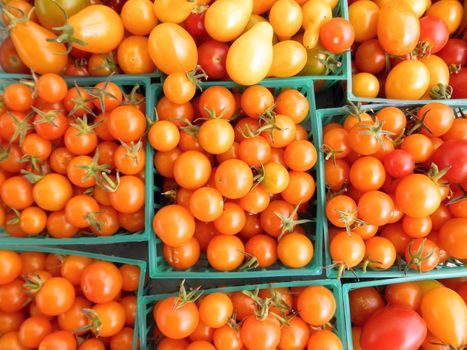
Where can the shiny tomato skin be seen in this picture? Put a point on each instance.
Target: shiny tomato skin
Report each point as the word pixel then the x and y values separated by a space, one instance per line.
pixel 453 155
pixel 454 52
pixel 457 81
pixel 393 327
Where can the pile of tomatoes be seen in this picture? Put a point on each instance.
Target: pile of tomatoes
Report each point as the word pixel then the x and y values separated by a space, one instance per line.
pixel 138 36
pixel 409 49
pixel 397 181
pixel 50 301
pixel 273 318
pixel 236 167
pixel 72 159
pixel 410 315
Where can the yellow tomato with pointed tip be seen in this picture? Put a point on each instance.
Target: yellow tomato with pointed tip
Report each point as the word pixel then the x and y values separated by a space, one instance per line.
pixel 286 18
pixel 250 56
pixel 173 11
pixel 225 20
pixel 172 48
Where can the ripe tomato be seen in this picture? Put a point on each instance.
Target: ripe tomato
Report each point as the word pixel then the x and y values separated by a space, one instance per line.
pixel 194 163
pixel 375 208
pixel 174 320
pixel 184 256
pixel 364 302
pixel 215 310
pixel 216 136
pixel 399 163
pixel 74 318
pixel 367 174
pixel 398 28
pixel 227 338
pixel 393 327
pixel 174 225
pixel 452 237
pixel 129 195
pixel 56 296
pixel 337 35
pixel 404 294
pixel 143 22
pixel 11 266
pixel 172 48
pixel 295 250
pixel 127 123
pixel 59 340
pixel 408 80
pixel 212 57
pixel 434 32
pixel 206 204
pixel 416 227
pixel 324 338
pixel 232 220
pixel 316 305
pixel 347 250
pixel 225 253
pixel 260 334
pixel 109 319
pixel 101 282
pixel 444 312
pixel 451 155
pixel 233 178
pixel 422 254
pixel 450 12
pixel 380 253
pixel 417 188
pixel 33 330
pixel 369 56
pixel 10 60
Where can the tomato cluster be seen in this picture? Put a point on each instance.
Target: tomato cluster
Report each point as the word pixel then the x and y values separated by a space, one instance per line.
pixel 410 315
pixel 72 159
pixel 66 302
pixel 136 36
pixel 409 50
pixel 397 182
pixel 236 167
pixel 282 318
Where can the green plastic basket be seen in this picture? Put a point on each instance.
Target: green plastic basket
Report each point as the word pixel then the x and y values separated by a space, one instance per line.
pixel 337 115
pixel 146 304
pixel 347 287
pixel 126 83
pixel 114 259
pixel 157 265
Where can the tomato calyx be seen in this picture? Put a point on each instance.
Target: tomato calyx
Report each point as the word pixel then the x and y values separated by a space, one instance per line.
pixel 108 184
pixel 454 68
pixel 132 98
pixel 101 93
pixel 93 221
pixel 67 33
pixel 189 128
pixel 461 197
pixel 15 218
pixel 262 311
pixel 33 282
pixel 329 153
pixel 22 126
pixel 329 61
pixel 251 263
pixel 94 170
pixel 289 223
pixel 196 75
pixel 13 20
pixel 417 258
pixel 32 177
pixel 95 323
pixel 83 127
pixel 46 117
pixel 80 103
pixel 436 175
pixel 441 92
pixel 132 150
pixel 185 297
pixel 376 130
pixel 370 263
pixel 349 218
pixel 170 196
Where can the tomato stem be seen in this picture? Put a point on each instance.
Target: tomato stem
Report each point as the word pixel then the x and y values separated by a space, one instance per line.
pixel 251 264
pixel 183 297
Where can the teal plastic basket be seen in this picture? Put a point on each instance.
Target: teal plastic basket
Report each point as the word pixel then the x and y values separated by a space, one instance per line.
pixel 347 287
pixel 113 259
pixel 159 268
pixel 146 305
pixel 126 83
pixel 338 115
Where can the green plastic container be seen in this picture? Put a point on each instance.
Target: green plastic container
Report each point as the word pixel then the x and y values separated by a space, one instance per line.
pixel 347 287
pixel 146 304
pixel 113 259
pixel 160 269
pixel 127 83
pixel 338 115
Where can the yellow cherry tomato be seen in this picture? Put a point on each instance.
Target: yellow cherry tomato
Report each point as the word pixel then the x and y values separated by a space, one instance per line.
pixel 398 28
pixel 173 11
pixel 251 68
pixel 289 58
pixel 253 20
pixel 286 18
pixel 450 11
pixel 409 80
pixel 365 85
pixel 262 6
pixel 172 48
pixel 445 314
pixel 138 17
pixel 315 11
pixel 439 71
pixel 133 56
pixel 226 20
pixel 363 15
pixel 419 6
pixel 99 27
